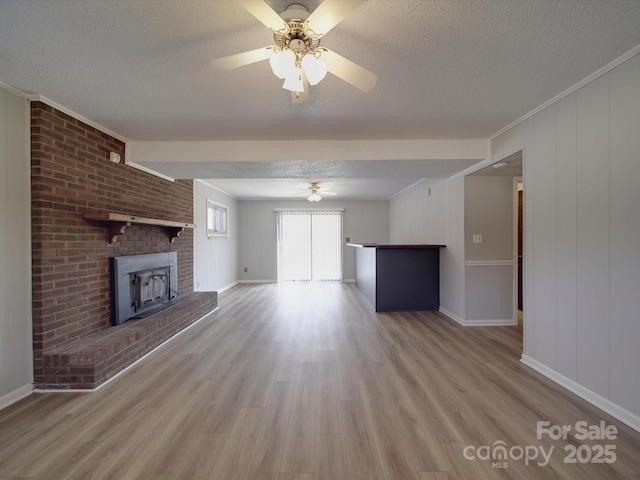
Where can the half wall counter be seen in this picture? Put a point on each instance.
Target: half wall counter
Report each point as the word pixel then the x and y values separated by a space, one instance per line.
pixel 396 278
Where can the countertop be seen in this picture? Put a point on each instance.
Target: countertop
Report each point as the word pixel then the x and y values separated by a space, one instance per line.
pixel 397 245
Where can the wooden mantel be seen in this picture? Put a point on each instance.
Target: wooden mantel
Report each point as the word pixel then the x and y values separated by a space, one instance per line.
pixel 118 223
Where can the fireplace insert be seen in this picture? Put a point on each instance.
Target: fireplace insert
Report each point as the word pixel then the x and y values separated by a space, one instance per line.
pixel 142 285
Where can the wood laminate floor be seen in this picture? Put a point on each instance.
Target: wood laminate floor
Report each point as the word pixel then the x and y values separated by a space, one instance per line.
pixel 306 382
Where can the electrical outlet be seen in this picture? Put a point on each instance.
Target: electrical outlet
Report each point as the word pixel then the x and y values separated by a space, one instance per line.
pixel 246 269
pixel 477 238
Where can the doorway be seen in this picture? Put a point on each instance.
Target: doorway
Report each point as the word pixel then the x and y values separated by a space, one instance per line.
pixel 513 190
pixel 519 247
pixel 309 245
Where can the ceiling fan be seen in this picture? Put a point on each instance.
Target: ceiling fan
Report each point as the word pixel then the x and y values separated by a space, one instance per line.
pixel 313 191
pixel 297 57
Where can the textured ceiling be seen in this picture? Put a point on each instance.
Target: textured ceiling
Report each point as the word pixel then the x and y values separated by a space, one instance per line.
pixel 354 179
pixel 447 69
pixel 292 189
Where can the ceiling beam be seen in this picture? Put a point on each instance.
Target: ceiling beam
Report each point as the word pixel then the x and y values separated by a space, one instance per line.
pixel 306 150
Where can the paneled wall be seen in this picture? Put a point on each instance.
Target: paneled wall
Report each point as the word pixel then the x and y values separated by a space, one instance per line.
pixel 582 231
pixel 362 221
pixel 432 211
pixel 215 264
pixel 417 214
pixel 452 258
pixel 16 370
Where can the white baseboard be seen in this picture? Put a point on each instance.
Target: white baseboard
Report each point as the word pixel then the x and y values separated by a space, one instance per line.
pixel 227 287
pixel 12 397
pixel 602 403
pixel 258 281
pixel 350 280
pixel 501 322
pixel 452 316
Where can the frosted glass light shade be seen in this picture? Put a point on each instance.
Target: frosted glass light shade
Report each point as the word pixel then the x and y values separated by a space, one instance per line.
pixel 314 197
pixel 294 82
pixel 314 69
pixel 282 63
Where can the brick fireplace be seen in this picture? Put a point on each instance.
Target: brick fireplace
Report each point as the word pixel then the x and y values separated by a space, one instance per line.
pixel 74 344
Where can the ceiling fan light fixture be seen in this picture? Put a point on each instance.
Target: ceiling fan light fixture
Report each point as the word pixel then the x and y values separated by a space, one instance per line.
pixel 296 56
pixel 315 69
pixel 314 196
pixel 282 63
pixel 294 82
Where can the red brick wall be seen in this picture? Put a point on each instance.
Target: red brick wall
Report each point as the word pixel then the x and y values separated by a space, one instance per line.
pixel 71 175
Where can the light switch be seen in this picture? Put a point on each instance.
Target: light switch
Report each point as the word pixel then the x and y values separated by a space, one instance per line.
pixel 477 238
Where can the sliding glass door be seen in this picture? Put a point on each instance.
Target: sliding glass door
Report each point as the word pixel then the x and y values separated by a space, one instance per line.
pixel 309 245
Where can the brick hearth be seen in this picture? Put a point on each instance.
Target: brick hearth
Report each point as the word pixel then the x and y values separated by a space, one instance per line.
pixel 71 174
pixel 94 358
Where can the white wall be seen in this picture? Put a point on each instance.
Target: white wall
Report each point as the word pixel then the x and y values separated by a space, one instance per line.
pixel 489 212
pixel 215 260
pixel 16 354
pixel 582 232
pixel 432 211
pixel 362 221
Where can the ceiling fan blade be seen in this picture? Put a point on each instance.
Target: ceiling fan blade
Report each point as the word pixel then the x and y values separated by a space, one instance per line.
pixel 241 59
pixel 264 13
pixel 324 192
pixel 348 71
pixel 330 13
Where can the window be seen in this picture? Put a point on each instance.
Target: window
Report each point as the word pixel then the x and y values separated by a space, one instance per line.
pixel 309 245
pixel 217 219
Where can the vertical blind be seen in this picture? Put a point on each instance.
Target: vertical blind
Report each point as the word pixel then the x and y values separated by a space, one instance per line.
pixel 309 245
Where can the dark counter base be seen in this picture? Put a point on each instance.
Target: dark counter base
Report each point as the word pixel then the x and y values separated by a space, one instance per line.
pixel 399 279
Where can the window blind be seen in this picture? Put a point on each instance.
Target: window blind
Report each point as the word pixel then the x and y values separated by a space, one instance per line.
pixel 309 245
